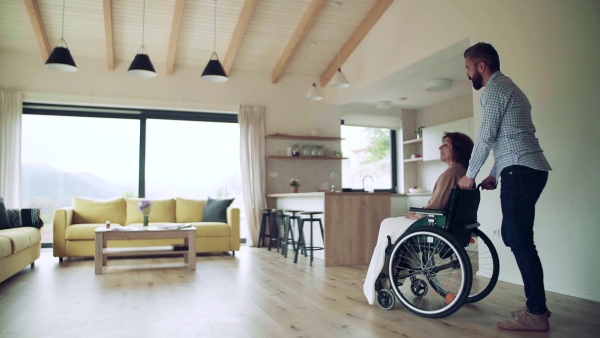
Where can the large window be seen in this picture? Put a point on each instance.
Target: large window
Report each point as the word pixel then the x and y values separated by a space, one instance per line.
pixel 100 155
pixel 370 152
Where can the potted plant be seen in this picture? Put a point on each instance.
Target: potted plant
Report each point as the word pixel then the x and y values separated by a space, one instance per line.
pixel 294 184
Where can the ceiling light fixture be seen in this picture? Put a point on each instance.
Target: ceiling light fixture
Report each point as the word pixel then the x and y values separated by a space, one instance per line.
pixel 141 66
pixel 214 71
pixel 60 59
pixel 384 105
pixel 313 93
pixel 438 85
pixel 339 80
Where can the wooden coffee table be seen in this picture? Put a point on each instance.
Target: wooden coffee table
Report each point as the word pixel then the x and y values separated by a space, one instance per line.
pixel 102 252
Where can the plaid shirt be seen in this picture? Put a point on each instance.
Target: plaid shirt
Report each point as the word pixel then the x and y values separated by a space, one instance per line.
pixel 506 128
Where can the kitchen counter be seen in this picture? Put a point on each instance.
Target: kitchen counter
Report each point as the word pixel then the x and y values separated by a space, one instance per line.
pixel 351 221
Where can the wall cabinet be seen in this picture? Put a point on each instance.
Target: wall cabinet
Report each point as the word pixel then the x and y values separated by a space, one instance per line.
pixel 432 136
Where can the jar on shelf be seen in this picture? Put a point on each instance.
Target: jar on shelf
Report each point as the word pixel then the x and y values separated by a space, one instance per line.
pixel 319 150
pixel 296 150
pixel 306 150
pixel 313 150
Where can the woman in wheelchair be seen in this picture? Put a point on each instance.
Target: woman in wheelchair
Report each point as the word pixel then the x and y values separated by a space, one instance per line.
pixel 455 152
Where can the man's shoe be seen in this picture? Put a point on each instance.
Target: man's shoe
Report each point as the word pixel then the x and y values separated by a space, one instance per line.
pixel 526 321
pixel 516 313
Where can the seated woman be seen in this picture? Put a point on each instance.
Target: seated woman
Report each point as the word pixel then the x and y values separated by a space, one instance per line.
pixel 455 151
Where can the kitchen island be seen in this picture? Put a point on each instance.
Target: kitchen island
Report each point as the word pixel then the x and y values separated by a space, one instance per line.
pixel 351 222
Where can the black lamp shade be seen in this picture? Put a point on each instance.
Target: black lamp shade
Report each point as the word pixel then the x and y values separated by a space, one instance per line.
pixel 214 72
pixel 61 60
pixel 142 66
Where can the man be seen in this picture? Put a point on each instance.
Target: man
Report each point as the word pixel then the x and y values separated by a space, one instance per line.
pixel 507 129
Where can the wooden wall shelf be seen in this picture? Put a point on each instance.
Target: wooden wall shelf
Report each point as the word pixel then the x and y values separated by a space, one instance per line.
pixel 417 140
pixel 307 158
pixel 296 137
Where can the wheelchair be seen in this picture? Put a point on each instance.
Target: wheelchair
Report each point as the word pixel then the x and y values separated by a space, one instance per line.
pixel 441 261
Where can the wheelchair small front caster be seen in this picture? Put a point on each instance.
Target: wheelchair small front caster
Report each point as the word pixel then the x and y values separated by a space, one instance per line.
pixel 385 299
pixel 418 287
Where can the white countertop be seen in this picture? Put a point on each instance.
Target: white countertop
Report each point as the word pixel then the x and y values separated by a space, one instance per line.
pixel 299 194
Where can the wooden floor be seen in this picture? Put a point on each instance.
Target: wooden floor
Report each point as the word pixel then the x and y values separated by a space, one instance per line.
pixel 256 293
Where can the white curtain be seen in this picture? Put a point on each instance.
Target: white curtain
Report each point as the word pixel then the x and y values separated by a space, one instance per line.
pixel 252 160
pixel 11 110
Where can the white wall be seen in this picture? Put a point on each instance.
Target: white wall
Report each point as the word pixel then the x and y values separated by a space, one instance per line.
pixel 547 48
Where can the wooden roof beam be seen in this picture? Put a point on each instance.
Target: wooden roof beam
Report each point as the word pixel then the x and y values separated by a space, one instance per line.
pixel 306 23
pixel 355 39
pixel 33 10
pixel 108 32
pixel 238 34
pixel 175 30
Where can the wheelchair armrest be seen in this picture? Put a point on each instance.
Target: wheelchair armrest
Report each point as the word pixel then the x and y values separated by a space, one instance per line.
pixel 426 211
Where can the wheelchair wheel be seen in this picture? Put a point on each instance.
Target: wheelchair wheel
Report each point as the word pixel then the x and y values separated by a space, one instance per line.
pixel 485 265
pixel 385 299
pixel 437 267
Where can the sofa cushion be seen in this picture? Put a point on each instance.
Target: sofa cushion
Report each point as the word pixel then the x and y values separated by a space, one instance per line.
pixel 19 240
pixel 98 211
pixel 212 229
pixel 4 222
pixel 79 232
pixel 188 211
pixel 26 217
pixel 162 211
pixel 216 210
pixel 5 247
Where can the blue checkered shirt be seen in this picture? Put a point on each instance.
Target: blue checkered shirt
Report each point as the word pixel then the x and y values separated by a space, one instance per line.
pixel 506 129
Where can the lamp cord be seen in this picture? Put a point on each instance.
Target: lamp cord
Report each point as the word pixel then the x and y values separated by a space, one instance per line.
pixel 143 23
pixel 215 42
pixel 62 33
pixel 338 27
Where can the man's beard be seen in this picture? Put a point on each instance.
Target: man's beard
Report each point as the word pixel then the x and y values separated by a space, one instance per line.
pixel 477 80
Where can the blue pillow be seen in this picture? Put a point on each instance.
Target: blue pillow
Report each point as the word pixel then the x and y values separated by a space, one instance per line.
pixel 216 210
pixel 4 222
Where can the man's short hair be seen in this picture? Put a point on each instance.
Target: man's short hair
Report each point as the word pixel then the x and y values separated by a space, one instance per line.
pixel 484 52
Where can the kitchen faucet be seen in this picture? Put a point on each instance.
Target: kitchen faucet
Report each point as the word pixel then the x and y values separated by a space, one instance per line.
pixel 370 188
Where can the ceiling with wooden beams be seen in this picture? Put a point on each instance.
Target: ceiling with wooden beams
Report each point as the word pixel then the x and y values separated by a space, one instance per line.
pixel 276 36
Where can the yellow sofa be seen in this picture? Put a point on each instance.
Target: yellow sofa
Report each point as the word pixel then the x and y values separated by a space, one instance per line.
pixel 20 245
pixel 74 226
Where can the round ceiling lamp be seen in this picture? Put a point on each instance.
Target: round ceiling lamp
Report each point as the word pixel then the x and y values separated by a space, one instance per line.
pixel 384 105
pixel 438 85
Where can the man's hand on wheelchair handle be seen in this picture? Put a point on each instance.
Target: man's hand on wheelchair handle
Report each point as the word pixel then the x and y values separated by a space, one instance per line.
pixel 466 183
pixel 489 183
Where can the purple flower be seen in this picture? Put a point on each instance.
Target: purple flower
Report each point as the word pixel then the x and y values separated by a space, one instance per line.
pixel 144 206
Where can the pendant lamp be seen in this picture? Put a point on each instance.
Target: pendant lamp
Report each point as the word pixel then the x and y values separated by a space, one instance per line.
pixel 339 80
pixel 214 71
pixel 60 59
pixel 313 93
pixel 141 66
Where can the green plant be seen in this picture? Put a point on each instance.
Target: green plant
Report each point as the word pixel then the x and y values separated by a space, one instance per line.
pixel 294 182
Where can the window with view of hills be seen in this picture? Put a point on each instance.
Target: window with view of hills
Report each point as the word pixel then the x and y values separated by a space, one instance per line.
pixel 98 157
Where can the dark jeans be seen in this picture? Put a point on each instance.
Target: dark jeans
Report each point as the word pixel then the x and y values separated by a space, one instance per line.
pixel 520 189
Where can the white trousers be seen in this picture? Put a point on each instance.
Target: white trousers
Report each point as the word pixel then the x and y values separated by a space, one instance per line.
pixel 393 227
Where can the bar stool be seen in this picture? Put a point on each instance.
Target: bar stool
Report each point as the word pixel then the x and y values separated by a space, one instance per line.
pixel 265 223
pixel 288 230
pixel 301 242
pixel 276 218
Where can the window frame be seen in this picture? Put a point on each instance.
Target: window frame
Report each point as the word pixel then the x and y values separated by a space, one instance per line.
pixel 132 114
pixel 393 160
